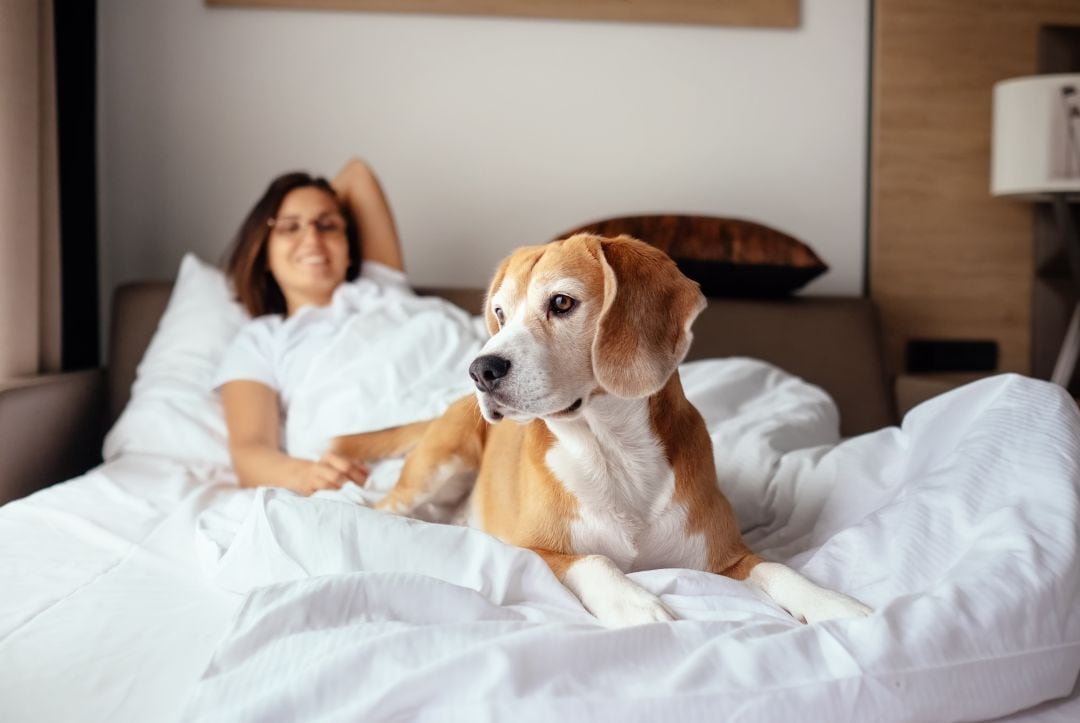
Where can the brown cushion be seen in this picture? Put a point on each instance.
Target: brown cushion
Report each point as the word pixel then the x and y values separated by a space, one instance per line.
pixel 727 256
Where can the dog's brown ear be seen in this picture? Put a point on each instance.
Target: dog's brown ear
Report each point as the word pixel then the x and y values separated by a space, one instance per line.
pixel 644 328
pixel 496 282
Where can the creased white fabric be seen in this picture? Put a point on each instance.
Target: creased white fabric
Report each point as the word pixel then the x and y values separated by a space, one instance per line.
pixel 155 589
pixel 391 358
pixel 960 529
pixel 105 611
pixel 376 356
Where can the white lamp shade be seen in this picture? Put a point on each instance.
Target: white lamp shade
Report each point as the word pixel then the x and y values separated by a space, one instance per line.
pixel 1036 138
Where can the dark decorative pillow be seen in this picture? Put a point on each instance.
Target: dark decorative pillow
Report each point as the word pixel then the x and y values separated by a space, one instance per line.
pixel 727 256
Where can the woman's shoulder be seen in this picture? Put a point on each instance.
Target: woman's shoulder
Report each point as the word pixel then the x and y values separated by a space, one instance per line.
pixel 252 354
pixel 382 274
pixel 259 329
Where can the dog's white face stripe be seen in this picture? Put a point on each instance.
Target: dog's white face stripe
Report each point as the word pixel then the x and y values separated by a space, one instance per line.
pixel 515 341
pixel 550 355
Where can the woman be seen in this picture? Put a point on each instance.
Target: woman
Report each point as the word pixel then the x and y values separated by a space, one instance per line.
pixel 301 241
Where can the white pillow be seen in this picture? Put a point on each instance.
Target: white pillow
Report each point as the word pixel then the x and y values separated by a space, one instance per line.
pixel 173 410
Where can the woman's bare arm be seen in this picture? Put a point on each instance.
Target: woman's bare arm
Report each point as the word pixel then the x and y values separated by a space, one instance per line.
pixel 357 185
pixel 253 421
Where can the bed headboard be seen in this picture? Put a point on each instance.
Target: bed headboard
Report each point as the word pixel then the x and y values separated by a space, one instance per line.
pixel 832 342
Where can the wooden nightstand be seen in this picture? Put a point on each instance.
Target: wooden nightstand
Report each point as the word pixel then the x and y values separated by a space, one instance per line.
pixel 913 389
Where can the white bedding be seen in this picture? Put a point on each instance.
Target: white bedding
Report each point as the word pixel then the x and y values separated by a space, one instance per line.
pixel 154 589
pixel 960 529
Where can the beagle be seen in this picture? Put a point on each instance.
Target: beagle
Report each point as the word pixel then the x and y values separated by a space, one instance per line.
pixel 579 443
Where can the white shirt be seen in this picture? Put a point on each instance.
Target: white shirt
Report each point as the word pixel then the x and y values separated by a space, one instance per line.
pixel 376 356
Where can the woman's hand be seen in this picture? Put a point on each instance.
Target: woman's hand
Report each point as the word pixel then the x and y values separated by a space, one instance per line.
pixel 253 421
pixel 330 472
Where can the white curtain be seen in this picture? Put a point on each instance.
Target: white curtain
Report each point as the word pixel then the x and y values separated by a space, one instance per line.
pixel 29 225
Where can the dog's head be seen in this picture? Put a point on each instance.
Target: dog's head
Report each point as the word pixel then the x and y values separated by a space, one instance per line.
pixel 580 317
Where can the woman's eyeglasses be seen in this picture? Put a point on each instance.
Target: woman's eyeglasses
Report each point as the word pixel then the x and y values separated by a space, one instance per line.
pixel 330 224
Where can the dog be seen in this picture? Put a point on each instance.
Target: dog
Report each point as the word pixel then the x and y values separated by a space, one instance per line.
pixel 579 443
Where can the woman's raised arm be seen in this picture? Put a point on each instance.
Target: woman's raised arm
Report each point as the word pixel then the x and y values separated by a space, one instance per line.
pixel 357 185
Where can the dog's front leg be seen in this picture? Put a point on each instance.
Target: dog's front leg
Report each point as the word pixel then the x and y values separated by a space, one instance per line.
pixel 439 472
pixel 431 489
pixel 615 600
pixel 805 601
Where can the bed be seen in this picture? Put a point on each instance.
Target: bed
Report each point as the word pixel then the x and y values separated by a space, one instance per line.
pixel 153 588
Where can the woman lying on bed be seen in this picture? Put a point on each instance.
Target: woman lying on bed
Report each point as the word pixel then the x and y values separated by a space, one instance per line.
pixel 303 239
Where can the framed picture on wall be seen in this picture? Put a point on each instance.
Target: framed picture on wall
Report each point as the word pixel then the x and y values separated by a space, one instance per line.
pixel 752 13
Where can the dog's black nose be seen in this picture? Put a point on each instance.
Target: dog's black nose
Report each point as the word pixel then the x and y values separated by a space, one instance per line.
pixel 486 371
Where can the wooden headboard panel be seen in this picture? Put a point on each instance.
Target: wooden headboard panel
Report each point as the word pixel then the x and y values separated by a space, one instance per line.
pixel 830 342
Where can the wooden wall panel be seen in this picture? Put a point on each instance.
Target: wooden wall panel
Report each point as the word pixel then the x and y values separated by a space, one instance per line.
pixel 947 259
pixel 759 13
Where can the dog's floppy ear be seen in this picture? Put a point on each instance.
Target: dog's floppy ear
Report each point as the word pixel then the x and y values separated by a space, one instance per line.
pixel 644 328
pixel 496 282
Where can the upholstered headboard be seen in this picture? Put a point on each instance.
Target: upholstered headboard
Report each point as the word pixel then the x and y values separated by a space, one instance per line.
pixel 830 342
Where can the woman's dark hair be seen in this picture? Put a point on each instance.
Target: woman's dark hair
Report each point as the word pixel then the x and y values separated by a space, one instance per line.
pixel 246 263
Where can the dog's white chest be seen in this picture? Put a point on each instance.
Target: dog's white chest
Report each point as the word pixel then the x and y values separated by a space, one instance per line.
pixel 617 469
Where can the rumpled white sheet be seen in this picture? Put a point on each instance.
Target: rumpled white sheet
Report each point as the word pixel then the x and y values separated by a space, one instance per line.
pixel 106 613
pixel 962 529
pixel 394 358
pixel 153 588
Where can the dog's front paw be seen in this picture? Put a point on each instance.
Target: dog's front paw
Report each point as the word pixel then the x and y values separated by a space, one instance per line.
pixel 615 600
pixel 831 605
pixel 805 601
pixel 392 504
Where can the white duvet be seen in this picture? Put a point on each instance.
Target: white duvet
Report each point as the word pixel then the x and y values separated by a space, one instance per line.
pixel 960 529
pixel 154 589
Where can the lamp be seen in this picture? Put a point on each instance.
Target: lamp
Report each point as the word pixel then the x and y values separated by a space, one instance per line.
pixel 1036 157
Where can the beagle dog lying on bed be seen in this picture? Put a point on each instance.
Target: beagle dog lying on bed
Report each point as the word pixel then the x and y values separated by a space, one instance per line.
pixel 591 456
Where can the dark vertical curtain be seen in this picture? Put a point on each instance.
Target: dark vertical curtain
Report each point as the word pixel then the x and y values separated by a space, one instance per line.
pixel 75 23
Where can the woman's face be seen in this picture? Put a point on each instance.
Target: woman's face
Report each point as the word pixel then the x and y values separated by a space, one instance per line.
pixel 308 250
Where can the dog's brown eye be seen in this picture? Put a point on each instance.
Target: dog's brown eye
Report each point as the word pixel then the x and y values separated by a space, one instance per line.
pixel 560 304
pixel 499 315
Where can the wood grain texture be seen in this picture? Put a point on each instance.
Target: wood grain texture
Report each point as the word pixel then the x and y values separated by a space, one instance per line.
pixel 728 257
pixel 947 259
pixel 710 238
pixel 750 13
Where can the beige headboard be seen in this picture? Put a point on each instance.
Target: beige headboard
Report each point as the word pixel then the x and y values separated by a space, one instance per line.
pixel 831 342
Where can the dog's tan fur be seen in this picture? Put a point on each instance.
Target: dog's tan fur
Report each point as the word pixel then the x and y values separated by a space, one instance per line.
pixel 636 310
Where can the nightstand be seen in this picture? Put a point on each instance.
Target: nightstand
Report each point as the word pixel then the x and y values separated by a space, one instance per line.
pixel 913 389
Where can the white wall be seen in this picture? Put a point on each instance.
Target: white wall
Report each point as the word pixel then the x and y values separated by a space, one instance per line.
pixel 486 133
